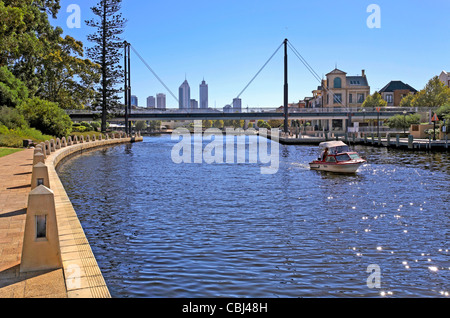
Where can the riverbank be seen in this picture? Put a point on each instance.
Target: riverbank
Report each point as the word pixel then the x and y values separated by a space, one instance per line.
pixel 15 185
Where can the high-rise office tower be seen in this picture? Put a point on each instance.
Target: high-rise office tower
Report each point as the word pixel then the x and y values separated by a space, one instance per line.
pixel 134 100
pixel 161 101
pixel 151 102
pixel 237 105
pixel 185 96
pixel 194 104
pixel 203 95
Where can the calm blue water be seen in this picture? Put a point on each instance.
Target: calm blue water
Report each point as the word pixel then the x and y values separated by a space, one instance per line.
pixel 160 229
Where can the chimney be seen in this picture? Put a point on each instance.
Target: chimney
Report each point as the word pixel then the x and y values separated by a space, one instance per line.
pixel 363 73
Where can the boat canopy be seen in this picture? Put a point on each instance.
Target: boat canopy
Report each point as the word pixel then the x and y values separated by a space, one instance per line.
pixel 332 144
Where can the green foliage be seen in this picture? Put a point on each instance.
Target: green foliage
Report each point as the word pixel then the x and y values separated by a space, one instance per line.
pixel 12 90
pixel 154 124
pixel 404 122
pixel 374 100
pixel 12 118
pixel 15 137
pixel 46 117
pixel 218 124
pixel 435 94
pixel 140 125
pixel 107 44
pixel 49 65
pixel 444 114
pixel 263 124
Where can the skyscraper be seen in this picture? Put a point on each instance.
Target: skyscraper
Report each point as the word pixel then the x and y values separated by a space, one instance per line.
pixel 203 95
pixel 151 102
pixel 134 100
pixel 237 105
pixel 161 101
pixel 185 96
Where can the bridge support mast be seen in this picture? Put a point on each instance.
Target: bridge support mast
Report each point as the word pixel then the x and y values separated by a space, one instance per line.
pixel 286 89
pixel 127 71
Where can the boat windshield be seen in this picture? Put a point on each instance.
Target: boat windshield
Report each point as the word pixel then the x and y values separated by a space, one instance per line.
pixel 355 156
pixel 343 157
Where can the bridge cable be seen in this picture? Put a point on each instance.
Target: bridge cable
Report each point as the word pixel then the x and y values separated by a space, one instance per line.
pixel 151 70
pixel 311 70
pixel 262 68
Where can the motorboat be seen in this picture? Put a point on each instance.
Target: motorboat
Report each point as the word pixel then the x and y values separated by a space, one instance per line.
pixel 336 156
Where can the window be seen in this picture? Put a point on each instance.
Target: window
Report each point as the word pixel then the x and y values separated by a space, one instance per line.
pixel 337 82
pixel 389 98
pixel 330 159
pixel 343 157
pixel 350 98
pixel 337 99
pixel 360 98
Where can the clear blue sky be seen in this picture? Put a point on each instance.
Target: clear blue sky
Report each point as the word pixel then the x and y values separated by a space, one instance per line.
pixel 227 42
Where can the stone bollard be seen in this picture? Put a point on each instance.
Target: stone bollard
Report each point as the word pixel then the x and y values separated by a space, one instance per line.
pixel 47 148
pixel 69 141
pixel 58 144
pixel 52 146
pixel 38 158
pixel 81 140
pixel 39 176
pixel 93 138
pixel 63 142
pixel 75 140
pixel 41 250
pixel 88 139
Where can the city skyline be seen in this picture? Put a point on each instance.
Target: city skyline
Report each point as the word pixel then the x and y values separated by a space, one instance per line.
pixel 408 46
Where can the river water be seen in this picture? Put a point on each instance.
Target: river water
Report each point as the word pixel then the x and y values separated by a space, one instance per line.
pixel 161 229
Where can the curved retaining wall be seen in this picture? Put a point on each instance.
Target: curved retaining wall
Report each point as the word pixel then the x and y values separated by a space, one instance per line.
pixel 82 275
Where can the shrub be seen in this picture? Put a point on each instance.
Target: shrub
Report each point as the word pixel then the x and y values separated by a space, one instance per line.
pixel 46 117
pixel 11 118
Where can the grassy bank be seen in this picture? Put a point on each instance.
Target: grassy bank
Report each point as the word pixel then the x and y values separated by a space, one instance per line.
pixel 8 151
pixel 13 138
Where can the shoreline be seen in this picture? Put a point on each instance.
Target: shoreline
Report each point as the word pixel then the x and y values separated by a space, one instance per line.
pixel 75 250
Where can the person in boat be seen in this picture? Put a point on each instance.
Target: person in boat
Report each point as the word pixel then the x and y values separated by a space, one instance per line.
pixel 325 154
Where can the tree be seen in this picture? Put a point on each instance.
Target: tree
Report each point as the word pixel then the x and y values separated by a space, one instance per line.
pixel 207 124
pixel 109 25
pixel 140 125
pixel 404 122
pixel 218 124
pixel 12 90
pixel 435 94
pixel 374 100
pixel 407 101
pixel 67 78
pixel 444 114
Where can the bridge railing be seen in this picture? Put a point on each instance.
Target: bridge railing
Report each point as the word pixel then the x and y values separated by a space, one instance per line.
pixel 247 110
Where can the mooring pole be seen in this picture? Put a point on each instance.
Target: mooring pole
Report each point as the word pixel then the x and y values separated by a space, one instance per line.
pixel 126 85
pixel 286 89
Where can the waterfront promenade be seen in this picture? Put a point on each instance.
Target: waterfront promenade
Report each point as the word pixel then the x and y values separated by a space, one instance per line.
pixel 15 185
pixel 80 276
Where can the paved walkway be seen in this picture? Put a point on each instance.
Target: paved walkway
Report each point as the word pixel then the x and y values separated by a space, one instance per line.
pixel 15 185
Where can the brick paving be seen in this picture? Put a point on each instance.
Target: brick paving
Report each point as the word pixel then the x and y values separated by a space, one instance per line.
pixel 15 185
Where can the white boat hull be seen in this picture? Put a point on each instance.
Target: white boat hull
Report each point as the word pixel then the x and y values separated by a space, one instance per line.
pixel 339 168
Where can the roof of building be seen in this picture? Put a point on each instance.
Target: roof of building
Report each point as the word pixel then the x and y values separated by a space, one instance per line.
pixel 397 85
pixel 357 81
pixel 336 71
